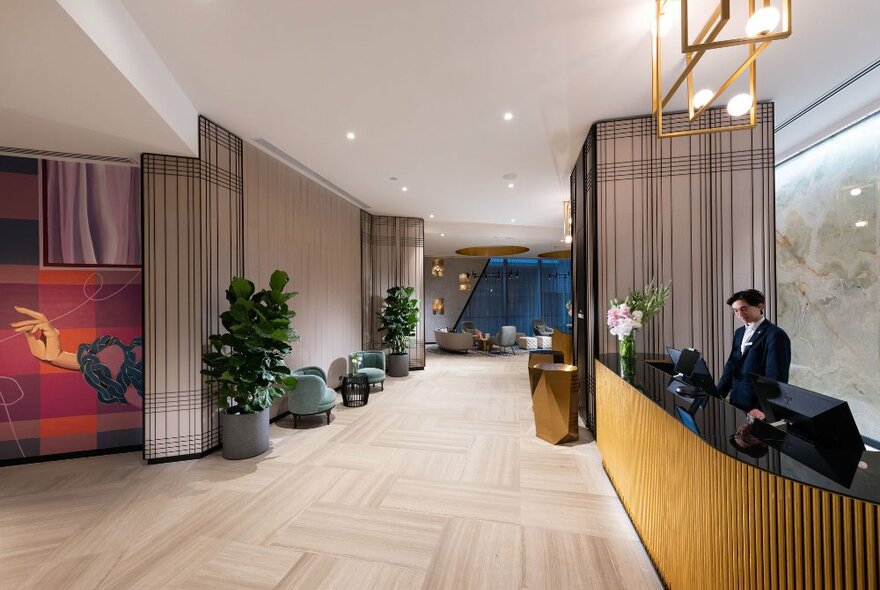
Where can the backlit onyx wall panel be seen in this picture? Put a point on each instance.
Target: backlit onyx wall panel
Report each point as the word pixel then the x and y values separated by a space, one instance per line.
pixel 392 254
pixel 699 211
pixel 193 246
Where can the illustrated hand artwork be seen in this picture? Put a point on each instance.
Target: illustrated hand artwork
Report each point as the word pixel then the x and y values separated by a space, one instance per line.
pixel 43 339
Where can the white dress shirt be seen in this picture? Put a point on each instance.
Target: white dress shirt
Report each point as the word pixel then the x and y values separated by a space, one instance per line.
pixel 750 331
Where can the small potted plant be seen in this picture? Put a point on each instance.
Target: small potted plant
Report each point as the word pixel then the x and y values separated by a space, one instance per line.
pixel 399 320
pixel 246 362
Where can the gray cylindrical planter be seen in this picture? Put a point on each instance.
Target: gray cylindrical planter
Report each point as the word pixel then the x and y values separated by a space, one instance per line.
pixel 398 365
pixel 245 435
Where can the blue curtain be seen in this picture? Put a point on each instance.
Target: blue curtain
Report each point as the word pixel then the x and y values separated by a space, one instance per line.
pixel 514 292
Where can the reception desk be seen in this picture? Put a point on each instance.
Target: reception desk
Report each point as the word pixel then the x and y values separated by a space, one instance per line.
pixel 714 512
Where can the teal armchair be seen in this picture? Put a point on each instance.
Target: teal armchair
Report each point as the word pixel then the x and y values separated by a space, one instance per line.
pixel 373 365
pixel 311 395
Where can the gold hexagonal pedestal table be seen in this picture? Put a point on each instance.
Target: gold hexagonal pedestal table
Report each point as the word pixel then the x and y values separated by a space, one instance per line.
pixel 554 401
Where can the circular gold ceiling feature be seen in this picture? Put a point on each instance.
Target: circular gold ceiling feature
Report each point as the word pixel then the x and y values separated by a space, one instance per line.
pixel 490 251
pixel 556 254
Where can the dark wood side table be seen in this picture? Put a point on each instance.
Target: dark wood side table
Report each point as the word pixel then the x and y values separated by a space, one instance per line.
pixel 355 390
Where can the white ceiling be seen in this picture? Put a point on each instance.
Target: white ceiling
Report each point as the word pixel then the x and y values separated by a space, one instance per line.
pixel 423 85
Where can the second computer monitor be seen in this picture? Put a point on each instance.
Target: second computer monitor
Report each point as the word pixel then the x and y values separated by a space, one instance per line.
pixel 690 363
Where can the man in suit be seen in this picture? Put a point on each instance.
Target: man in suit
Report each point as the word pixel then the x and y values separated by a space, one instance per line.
pixel 758 347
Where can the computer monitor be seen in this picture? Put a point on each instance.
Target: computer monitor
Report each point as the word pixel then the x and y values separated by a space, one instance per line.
pixel 821 419
pixel 688 420
pixel 698 374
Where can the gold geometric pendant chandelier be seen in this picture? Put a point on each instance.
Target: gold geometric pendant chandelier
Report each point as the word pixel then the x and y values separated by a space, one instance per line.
pixel 762 28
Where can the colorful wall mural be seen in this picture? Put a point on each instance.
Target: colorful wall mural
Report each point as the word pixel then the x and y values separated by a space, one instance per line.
pixel 71 313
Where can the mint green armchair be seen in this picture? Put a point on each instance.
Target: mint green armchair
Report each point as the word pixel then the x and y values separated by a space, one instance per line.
pixel 373 365
pixel 311 395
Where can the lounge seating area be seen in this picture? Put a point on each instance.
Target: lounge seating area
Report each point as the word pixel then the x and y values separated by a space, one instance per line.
pixel 471 339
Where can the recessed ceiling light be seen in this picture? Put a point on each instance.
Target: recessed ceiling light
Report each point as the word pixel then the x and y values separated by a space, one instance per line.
pixel 508 116
pixel 442 235
pixel 861 223
pixel 350 135
pixel 855 192
pixel 509 185
pixel 404 189
pixel 431 216
pixel 513 221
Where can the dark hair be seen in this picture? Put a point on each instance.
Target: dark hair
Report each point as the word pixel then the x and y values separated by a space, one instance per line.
pixel 750 296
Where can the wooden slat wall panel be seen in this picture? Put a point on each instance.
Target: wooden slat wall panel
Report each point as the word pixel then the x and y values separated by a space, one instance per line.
pixel 294 224
pixel 710 521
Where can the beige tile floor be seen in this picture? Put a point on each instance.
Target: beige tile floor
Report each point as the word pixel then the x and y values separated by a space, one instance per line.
pixel 439 482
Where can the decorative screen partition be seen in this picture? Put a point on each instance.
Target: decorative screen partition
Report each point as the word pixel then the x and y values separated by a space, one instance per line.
pixel 193 246
pixel 698 211
pixel 586 315
pixel 392 254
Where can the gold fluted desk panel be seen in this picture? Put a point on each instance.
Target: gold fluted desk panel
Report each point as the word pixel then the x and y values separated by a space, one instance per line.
pixel 554 401
pixel 710 521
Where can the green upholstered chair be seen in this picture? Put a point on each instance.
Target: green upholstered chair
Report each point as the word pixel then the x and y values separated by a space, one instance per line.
pixel 373 365
pixel 311 395
pixel 505 338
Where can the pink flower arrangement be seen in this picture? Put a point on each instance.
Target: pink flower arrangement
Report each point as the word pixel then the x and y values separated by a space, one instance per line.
pixel 631 314
pixel 623 321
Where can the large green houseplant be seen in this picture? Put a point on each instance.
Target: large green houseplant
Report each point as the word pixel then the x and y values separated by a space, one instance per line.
pixel 398 320
pixel 246 362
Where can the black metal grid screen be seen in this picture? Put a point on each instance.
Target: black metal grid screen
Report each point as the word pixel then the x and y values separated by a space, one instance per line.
pixel 193 245
pixel 392 254
pixel 699 211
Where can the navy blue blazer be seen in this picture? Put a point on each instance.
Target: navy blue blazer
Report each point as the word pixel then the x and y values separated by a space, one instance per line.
pixel 768 354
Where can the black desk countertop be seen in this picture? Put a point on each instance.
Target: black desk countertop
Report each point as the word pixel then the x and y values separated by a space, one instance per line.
pixel 721 425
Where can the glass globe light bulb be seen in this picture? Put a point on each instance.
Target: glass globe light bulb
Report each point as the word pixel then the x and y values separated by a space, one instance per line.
pixel 666 24
pixel 568 239
pixel 702 97
pixel 739 105
pixel 762 22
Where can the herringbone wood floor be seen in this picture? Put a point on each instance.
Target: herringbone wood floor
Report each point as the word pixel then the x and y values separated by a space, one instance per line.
pixel 438 483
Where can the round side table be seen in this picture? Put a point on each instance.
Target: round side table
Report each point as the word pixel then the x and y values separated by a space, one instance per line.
pixel 355 390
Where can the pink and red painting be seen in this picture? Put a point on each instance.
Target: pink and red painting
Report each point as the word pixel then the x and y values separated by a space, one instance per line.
pixel 71 313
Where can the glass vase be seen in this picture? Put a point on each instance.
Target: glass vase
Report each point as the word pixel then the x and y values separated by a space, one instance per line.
pixel 627 348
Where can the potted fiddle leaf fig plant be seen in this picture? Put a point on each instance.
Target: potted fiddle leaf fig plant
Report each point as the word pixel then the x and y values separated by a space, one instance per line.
pixel 398 320
pixel 246 362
